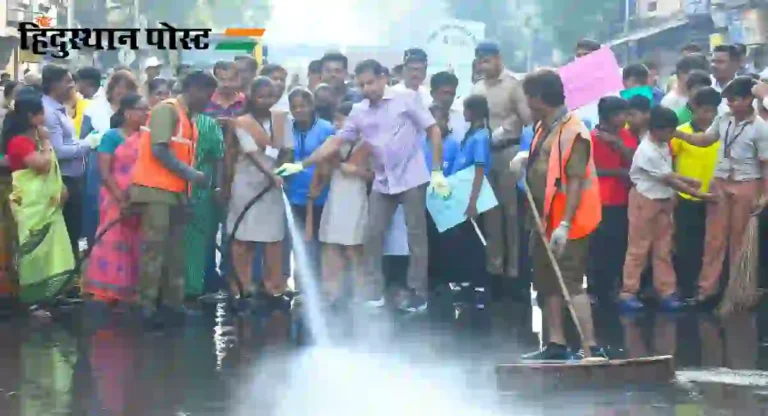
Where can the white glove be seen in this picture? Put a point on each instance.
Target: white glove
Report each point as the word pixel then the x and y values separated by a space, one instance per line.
pixel 93 139
pixel 497 133
pixel 559 238
pixel 517 164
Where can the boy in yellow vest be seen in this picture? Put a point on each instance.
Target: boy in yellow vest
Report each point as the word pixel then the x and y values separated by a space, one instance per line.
pixel 691 213
pixel 161 182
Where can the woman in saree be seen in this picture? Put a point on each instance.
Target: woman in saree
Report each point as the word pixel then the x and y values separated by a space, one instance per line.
pixel 200 232
pixel 45 257
pixel 8 278
pixel 97 119
pixel 113 269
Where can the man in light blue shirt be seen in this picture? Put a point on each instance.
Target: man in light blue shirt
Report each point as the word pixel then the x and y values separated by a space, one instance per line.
pixel 58 87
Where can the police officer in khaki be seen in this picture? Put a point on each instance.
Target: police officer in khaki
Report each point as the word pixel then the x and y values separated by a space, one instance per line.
pixel 509 114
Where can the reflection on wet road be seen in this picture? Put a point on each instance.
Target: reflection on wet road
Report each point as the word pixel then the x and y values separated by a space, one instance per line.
pixel 91 362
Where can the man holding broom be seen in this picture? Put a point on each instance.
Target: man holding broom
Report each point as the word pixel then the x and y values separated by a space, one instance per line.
pixel 561 185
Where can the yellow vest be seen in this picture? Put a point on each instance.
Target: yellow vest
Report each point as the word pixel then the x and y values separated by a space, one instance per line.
pixel 80 105
pixel 694 162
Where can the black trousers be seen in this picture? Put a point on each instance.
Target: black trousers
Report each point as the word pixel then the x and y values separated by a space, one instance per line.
pixel 525 267
pixel 690 231
pixel 460 255
pixel 73 212
pixel 607 249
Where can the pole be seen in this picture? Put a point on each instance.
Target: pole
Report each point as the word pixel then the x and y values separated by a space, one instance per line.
pixel 136 17
pixel 71 14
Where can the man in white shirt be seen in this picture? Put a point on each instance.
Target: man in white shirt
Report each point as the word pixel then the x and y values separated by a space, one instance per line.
pixel 414 74
pixel 443 87
pixel 725 65
pixel 678 97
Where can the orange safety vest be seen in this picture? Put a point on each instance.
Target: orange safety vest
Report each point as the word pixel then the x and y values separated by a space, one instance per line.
pixel 589 213
pixel 150 172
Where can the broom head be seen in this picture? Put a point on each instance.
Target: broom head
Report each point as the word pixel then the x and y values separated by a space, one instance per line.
pixel 742 292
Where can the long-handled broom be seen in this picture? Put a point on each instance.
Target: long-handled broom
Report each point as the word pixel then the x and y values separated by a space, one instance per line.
pixel 556 267
pixel 742 291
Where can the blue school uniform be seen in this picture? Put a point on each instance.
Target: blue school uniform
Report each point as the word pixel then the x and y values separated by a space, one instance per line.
pixel 306 142
pixel 459 254
pixel 474 150
pixel 450 147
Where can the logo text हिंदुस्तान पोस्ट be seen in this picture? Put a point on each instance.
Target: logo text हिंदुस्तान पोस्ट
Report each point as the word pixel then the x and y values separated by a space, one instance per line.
pixel 40 38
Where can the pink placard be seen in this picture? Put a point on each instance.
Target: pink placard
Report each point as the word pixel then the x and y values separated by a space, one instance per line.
pixel 591 77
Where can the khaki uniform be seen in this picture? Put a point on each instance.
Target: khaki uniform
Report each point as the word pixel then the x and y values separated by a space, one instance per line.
pixel 573 262
pixel 508 108
pixel 163 218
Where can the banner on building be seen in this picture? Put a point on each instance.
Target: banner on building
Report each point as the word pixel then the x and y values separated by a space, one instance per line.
pixel 451 46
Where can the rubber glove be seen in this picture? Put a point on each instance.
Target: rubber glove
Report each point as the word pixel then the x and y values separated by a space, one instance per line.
pixel 439 184
pixel 93 139
pixel 496 135
pixel 289 169
pixel 517 164
pixel 559 238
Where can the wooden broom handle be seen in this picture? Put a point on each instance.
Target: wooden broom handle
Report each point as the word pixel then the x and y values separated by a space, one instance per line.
pixel 543 234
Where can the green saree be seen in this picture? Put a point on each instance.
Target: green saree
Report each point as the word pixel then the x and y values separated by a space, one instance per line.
pixel 44 254
pixel 200 231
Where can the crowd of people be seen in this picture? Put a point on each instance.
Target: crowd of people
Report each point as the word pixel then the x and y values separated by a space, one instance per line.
pixel 156 175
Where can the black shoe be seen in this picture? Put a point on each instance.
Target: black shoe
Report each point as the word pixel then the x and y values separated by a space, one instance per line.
pixel 413 303
pixel 706 304
pixel 280 302
pixel 176 315
pixel 241 305
pixel 597 352
pixel 461 293
pixel 550 352
pixel 481 298
pixel 150 317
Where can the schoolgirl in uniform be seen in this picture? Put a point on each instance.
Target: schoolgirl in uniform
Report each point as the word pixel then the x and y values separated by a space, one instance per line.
pixel 261 136
pixel 344 218
pixel 462 249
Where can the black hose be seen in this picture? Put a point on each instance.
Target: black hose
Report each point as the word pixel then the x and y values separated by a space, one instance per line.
pixel 225 249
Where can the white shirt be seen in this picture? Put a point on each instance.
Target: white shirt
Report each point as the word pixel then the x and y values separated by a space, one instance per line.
pixel 652 161
pixel 426 97
pixel 282 104
pixel 674 101
pixel 457 123
pixel 99 111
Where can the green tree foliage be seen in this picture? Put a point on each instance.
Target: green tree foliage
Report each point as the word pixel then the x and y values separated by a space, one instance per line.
pixel 499 19
pixel 570 21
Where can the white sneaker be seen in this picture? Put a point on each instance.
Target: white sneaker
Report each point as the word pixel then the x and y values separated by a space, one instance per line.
pixel 376 304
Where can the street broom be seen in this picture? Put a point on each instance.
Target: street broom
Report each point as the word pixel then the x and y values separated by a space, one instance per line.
pixel 742 292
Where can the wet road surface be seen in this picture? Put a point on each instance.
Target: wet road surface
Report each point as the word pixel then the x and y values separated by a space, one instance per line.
pixel 90 362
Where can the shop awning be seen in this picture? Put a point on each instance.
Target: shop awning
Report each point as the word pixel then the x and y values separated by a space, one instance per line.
pixel 649 31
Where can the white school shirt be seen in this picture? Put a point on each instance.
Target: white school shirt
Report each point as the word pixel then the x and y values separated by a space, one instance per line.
pixel 652 161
